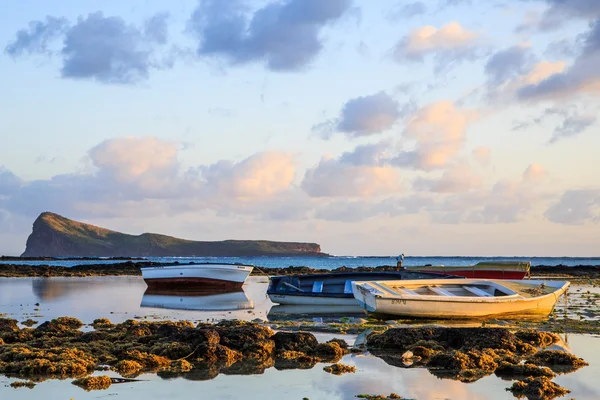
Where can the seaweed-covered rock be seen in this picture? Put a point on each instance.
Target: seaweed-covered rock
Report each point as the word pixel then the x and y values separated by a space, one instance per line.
pixel 61 362
pixel 102 323
pixel 289 359
pixel 138 331
pixel 558 361
pixel 457 360
pixel 128 367
pixel 60 325
pixel 508 370
pixel 537 338
pixel 217 353
pixel 172 350
pixel 330 352
pixel 341 342
pixel 29 322
pixel 20 384
pixel 100 382
pixel 339 369
pixel 8 325
pixel 540 387
pixel 295 341
pixel 248 338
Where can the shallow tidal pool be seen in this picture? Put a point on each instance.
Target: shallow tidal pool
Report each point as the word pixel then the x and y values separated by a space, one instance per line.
pixel 122 298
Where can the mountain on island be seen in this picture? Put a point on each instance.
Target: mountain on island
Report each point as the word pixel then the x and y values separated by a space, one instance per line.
pixel 56 236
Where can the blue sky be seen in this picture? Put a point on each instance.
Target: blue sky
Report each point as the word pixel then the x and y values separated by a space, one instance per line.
pixel 434 127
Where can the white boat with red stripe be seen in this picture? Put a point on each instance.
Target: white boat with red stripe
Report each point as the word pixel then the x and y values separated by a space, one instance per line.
pixel 196 275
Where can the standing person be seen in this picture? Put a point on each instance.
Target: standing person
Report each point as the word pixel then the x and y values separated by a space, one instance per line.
pixel 400 260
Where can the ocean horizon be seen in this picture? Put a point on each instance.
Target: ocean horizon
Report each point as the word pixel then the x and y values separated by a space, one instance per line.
pixel 331 262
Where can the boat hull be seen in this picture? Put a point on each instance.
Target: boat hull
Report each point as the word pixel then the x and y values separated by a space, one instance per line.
pixel 476 273
pixel 457 308
pixel 335 289
pixel 290 299
pixel 196 275
pixel 483 270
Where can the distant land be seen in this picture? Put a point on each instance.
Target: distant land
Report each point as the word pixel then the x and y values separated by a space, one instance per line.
pixel 56 236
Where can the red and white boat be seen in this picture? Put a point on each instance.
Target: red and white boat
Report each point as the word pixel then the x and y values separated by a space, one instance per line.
pixel 214 275
pixel 481 270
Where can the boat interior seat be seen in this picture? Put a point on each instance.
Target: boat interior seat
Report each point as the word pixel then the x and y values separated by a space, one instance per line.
pixel 348 287
pixel 317 286
pixel 477 291
pixel 440 291
pixel 403 290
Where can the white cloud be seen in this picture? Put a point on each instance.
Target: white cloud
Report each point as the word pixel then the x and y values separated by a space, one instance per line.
pixel 482 155
pixel 459 177
pixel 450 42
pixel 260 175
pixel 335 178
pixel 534 173
pixel 439 131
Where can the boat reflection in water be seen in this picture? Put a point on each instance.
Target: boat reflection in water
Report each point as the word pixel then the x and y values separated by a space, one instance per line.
pixel 197 299
pixel 322 312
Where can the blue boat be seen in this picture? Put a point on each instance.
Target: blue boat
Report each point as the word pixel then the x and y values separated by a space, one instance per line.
pixel 333 289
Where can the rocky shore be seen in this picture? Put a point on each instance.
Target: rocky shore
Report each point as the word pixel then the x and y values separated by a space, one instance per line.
pixel 59 349
pixel 132 267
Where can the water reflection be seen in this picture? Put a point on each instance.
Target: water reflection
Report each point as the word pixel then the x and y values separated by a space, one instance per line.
pixel 324 312
pixel 197 299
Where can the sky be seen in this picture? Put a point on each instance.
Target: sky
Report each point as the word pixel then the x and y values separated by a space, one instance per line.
pixel 434 127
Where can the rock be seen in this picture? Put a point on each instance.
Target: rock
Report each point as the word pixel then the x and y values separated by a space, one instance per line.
pixel 330 352
pixel 540 387
pixel 100 382
pixel 508 370
pixel 60 325
pixel 339 369
pixel 557 360
pixel 8 325
pixel 295 341
pixel 407 355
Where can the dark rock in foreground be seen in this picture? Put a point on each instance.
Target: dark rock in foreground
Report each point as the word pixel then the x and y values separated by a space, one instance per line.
pixel 55 235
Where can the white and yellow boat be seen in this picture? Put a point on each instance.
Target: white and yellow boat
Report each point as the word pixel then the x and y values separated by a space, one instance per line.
pixel 464 298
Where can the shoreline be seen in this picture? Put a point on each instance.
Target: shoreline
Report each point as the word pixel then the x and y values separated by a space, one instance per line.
pixel 132 268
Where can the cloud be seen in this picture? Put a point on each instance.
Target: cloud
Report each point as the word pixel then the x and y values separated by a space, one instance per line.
pixel 560 11
pixel 482 155
pixel 143 177
pixel 439 132
pixel 507 201
pixel 147 163
pixel 508 63
pixel 576 207
pixel 457 178
pixel 375 154
pixel 9 182
pixel 285 36
pixel 583 76
pixel 534 173
pixel 335 178
pixel 572 122
pixel 572 126
pixel 449 43
pixel 105 49
pixel 402 10
pixel 37 37
pixel 258 176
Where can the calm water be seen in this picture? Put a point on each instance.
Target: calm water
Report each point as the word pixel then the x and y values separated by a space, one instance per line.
pixel 121 298
pixel 335 262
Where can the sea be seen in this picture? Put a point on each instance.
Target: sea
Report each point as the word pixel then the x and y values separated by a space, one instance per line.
pixel 332 262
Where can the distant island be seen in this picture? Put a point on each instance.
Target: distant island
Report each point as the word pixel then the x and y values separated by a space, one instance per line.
pixel 56 236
